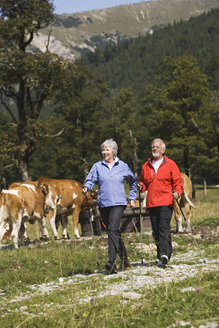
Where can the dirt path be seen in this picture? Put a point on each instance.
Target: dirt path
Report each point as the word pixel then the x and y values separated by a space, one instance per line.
pixel 130 283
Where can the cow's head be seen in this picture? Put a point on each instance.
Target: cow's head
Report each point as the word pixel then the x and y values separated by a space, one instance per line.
pixel 90 199
pixel 94 194
pixel 45 189
pixel 48 202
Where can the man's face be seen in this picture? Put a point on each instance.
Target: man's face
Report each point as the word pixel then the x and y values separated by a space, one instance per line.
pixel 157 151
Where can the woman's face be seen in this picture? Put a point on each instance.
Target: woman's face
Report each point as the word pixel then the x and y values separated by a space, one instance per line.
pixel 107 154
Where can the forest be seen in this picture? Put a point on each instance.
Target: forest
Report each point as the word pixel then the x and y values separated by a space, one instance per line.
pixel 55 114
pixel 133 62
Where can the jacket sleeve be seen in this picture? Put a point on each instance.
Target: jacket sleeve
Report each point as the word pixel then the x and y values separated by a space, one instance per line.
pixel 176 179
pixel 133 184
pixel 91 179
pixel 144 187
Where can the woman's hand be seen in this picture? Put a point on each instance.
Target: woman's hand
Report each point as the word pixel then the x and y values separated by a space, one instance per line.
pixel 132 203
pixel 84 190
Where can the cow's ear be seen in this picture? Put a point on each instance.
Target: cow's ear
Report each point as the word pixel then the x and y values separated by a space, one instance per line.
pixel 45 189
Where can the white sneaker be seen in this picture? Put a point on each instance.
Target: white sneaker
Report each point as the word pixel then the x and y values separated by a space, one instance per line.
pixel 164 259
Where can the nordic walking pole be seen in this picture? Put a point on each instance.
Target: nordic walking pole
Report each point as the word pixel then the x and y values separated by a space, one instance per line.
pixel 92 230
pixel 141 224
pixel 190 230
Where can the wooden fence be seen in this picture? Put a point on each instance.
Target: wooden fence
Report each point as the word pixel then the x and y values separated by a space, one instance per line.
pixel 130 221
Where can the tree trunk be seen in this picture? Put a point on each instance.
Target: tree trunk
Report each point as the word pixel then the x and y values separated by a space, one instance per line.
pixel 186 162
pixel 205 186
pixel 218 161
pixel 193 191
pixel 24 174
pixel 193 187
pixel 85 168
pixel 135 156
pixel 23 157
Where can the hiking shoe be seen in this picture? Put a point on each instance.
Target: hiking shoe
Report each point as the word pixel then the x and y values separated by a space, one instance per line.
pixel 124 267
pixel 164 259
pixel 159 264
pixel 111 268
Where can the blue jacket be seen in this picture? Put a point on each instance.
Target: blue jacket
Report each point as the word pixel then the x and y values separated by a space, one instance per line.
pixel 111 183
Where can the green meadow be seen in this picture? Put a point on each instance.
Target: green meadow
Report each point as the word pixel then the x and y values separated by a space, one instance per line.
pixel 63 283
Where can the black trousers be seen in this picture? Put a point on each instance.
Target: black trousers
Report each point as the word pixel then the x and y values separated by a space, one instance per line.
pixel 111 217
pixel 160 220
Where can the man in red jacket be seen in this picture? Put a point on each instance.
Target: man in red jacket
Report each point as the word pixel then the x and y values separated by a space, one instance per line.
pixel 160 176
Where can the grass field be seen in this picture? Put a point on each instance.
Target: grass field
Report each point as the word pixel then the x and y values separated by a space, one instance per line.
pixel 59 284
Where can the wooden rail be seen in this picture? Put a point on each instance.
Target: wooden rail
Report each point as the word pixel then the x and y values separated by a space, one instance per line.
pixel 130 221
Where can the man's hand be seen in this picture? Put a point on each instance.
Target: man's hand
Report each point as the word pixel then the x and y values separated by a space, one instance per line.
pixel 176 195
pixel 132 203
pixel 139 185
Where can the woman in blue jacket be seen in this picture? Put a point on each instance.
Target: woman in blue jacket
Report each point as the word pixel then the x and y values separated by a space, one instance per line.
pixel 110 175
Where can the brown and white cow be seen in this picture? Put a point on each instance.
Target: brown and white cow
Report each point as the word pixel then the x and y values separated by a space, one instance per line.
pixel 32 185
pixel 21 203
pixel 64 197
pixel 185 201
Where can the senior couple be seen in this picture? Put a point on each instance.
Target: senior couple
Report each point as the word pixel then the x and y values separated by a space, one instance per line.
pixel 160 176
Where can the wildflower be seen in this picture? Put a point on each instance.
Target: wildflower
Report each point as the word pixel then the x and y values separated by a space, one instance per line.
pixel 84 315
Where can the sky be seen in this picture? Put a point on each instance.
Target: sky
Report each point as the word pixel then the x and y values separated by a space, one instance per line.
pixel 76 6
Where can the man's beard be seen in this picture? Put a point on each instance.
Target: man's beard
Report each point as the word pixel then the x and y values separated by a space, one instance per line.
pixel 157 155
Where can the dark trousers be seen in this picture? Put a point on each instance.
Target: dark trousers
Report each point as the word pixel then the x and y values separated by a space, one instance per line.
pixel 160 220
pixel 111 217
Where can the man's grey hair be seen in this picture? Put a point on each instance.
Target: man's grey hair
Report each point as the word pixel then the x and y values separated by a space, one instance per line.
pixel 163 146
pixel 110 143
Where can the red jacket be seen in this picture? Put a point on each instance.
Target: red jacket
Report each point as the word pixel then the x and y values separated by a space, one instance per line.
pixel 160 185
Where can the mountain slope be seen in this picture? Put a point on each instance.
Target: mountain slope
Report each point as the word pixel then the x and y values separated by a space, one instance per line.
pixel 76 34
pixel 131 64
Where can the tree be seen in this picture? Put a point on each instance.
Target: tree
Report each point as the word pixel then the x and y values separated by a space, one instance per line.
pixel 121 123
pixel 8 142
pixel 80 114
pixel 26 79
pixel 183 91
pixel 91 114
pixel 206 152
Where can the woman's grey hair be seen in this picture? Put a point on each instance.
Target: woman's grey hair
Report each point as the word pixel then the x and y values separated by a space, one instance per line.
pixel 163 146
pixel 110 143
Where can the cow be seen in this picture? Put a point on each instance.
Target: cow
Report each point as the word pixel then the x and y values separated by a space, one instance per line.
pixel 63 198
pixel 32 185
pixel 22 202
pixel 184 201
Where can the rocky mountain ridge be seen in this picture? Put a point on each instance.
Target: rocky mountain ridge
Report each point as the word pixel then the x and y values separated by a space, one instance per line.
pixel 70 36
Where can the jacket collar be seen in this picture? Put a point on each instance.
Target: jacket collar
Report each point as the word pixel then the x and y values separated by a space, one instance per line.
pixel 151 159
pixel 107 164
